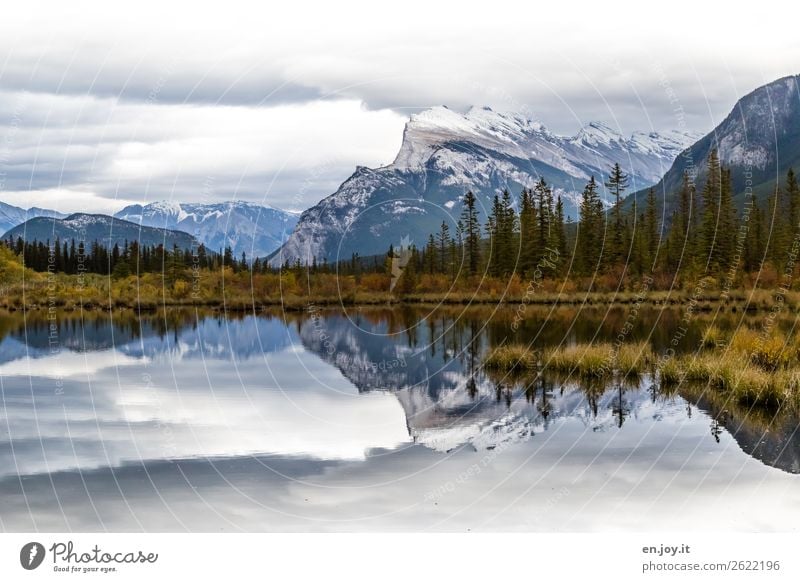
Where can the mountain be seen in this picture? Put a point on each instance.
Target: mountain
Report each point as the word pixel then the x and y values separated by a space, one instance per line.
pixel 255 229
pixel 100 227
pixel 11 216
pixel 759 140
pixel 444 154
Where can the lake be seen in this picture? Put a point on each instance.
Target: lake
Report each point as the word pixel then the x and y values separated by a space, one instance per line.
pixel 370 419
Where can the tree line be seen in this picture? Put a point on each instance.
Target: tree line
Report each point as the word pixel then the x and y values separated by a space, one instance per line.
pixel 74 257
pixel 700 234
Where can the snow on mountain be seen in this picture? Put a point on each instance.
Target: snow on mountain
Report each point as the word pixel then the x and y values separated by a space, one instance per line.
pixel 107 230
pixel 449 402
pixel 255 229
pixel 759 141
pixel 11 216
pixel 445 153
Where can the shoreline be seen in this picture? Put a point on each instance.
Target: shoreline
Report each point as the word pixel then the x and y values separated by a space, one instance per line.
pixel 749 301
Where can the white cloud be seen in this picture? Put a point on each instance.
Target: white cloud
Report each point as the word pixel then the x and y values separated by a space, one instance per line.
pixel 133 152
pixel 148 102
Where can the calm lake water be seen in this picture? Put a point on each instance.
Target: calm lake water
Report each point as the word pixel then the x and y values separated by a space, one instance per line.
pixel 370 420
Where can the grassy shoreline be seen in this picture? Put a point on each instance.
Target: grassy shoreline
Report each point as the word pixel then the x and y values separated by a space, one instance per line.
pixel 763 372
pixel 293 289
pixel 103 295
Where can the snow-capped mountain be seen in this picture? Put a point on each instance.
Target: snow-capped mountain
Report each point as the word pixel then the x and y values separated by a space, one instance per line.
pixel 255 229
pixel 107 230
pixel 450 402
pixel 759 140
pixel 445 153
pixel 11 216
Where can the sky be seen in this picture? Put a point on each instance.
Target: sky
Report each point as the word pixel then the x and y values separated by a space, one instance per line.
pixel 103 106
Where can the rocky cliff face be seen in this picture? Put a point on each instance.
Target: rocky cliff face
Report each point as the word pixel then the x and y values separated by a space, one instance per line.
pixel 445 153
pixel 759 141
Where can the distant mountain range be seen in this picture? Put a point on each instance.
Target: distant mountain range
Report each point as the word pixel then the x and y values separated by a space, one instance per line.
pixel 759 141
pixel 255 229
pixel 11 216
pixel 105 229
pixel 444 154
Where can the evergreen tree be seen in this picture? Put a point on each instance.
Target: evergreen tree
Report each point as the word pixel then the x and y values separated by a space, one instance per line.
pixel 617 184
pixel 682 231
pixel 444 246
pixel 590 229
pixel 506 233
pixel 227 258
pixel 560 234
pixel 651 230
pixel 711 207
pixel 793 195
pixel 471 230
pixel 728 233
pixel 753 252
pixel 527 231
pixel 492 229
pixel 543 195
pixel 430 259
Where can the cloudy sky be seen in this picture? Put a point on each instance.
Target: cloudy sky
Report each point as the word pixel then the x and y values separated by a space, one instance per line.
pixel 101 107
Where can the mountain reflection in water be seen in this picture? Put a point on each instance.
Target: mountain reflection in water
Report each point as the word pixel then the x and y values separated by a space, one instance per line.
pixel 124 411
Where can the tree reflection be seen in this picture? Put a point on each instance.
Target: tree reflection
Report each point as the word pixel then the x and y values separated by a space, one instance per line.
pixel 619 406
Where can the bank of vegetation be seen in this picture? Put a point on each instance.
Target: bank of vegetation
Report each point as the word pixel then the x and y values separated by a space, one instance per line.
pixel 749 365
pixel 699 249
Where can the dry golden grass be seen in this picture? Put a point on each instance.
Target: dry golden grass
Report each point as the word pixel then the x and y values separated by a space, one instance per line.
pixel 510 358
pixel 597 360
pixel 730 371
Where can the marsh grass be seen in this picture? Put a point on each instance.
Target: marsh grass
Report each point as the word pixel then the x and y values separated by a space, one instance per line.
pixel 771 353
pixel 757 377
pixel 590 360
pixel 582 359
pixel 713 337
pixel 511 358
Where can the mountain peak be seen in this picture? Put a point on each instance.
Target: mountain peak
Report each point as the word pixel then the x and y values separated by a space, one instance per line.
pixel 257 229
pixel 757 140
pixel 107 230
pixel 427 130
pixel 597 133
pixel 445 153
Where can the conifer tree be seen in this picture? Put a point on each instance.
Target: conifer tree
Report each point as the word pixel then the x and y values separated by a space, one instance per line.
pixel 651 230
pixel 711 207
pixel 560 234
pixel 430 259
pixel 793 195
pixel 506 231
pixel 543 196
pixel 444 246
pixel 492 230
pixel 471 233
pixel 682 232
pixel 617 184
pixel 527 230
pixel 590 228
pixel 728 233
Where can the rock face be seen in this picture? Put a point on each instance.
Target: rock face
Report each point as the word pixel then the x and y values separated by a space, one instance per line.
pixel 444 154
pixel 255 229
pixel 759 140
pixel 107 230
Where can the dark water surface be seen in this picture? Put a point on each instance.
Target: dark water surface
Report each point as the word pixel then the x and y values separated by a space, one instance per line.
pixel 369 420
